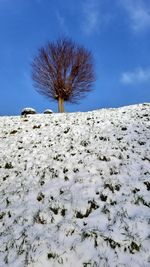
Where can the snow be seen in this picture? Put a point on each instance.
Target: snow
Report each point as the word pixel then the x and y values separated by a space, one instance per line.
pixel 26 111
pixel 75 189
pixel 48 111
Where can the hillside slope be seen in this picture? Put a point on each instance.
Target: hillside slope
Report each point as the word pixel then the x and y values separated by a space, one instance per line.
pixel 75 189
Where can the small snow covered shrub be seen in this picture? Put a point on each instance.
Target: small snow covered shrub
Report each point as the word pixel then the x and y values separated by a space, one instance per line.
pixel 48 111
pixel 28 111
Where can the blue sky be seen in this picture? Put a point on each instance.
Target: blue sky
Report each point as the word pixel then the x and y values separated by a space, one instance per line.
pixel 117 32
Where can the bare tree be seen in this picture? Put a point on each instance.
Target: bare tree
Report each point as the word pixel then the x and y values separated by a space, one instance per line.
pixel 63 71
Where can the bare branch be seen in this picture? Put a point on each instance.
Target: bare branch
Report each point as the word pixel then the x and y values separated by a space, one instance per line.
pixel 63 70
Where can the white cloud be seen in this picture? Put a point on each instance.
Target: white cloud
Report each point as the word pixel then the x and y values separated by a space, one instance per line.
pixel 91 16
pixel 139 14
pixel 138 75
pixel 62 23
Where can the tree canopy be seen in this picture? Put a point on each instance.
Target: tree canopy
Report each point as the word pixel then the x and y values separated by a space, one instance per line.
pixel 63 71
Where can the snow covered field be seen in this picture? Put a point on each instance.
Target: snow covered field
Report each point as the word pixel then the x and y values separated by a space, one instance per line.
pixel 75 189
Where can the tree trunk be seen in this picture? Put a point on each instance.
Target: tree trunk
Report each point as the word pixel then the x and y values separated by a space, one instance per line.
pixel 60 104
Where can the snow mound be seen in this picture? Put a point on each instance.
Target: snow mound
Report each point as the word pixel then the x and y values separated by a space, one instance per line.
pixel 28 111
pixel 75 189
pixel 48 111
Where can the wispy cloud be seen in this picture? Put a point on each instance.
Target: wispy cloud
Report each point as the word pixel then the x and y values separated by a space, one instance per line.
pixel 62 23
pixel 138 12
pixel 91 16
pixel 96 16
pixel 136 76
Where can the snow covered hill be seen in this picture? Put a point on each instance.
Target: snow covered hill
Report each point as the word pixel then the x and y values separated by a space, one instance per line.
pixel 75 189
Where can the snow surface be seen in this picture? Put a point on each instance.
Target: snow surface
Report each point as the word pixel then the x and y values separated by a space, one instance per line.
pixel 75 189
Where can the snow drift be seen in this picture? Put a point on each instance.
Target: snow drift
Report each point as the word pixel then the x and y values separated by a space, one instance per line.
pixel 75 189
